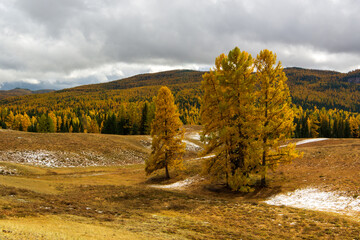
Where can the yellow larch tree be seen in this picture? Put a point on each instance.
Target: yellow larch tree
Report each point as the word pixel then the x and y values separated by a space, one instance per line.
pixel 274 112
pixel 167 135
pixel 9 120
pixel 53 126
pixel 228 117
pixel 25 122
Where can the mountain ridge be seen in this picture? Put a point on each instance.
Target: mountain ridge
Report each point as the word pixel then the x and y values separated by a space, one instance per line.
pixel 308 87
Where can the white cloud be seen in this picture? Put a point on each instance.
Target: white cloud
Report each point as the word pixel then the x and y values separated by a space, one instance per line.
pixel 31 81
pixel 72 42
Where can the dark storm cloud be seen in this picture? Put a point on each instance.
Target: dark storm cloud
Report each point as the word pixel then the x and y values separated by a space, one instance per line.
pixel 72 42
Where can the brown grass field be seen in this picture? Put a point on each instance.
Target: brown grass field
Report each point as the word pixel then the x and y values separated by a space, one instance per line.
pixel 100 191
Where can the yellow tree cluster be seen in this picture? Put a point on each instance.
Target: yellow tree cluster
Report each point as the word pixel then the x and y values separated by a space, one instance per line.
pixel 246 117
pixel 167 135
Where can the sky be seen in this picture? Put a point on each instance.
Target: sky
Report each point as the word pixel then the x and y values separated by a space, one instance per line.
pixel 60 44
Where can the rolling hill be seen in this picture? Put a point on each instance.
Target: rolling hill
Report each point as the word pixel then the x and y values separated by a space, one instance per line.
pixel 21 92
pixel 308 88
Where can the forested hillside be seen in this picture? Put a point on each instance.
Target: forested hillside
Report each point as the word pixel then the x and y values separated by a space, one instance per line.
pixel 126 106
pixel 328 89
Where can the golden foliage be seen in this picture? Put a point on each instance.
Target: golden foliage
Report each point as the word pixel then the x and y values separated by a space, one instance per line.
pixel 167 135
pixel 245 117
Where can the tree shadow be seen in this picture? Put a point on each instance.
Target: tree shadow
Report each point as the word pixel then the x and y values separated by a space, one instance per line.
pixel 258 192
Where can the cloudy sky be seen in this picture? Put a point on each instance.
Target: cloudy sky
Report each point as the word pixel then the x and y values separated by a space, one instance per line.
pixel 60 44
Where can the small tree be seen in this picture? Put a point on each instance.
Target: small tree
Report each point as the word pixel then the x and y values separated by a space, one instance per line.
pixel 167 135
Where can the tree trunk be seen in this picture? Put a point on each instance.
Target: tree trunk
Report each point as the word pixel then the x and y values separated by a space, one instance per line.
pixel 167 176
pixel 167 172
pixel 263 175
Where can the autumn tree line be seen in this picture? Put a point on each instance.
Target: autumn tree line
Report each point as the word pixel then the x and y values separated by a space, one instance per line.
pixel 132 118
pixel 129 114
pixel 136 118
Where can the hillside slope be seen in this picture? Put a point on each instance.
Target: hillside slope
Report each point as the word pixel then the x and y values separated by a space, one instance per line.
pixel 327 89
pixel 308 88
pixel 173 77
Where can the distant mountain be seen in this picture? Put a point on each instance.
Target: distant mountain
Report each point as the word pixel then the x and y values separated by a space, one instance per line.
pixel 42 91
pixel 21 92
pixel 308 88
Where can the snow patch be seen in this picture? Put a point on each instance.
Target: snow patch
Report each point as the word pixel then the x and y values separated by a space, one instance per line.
pixel 315 199
pixel 190 146
pixel 194 136
pixel 205 157
pixel 310 140
pixel 146 142
pixel 7 171
pixel 56 159
pixel 307 141
pixel 179 184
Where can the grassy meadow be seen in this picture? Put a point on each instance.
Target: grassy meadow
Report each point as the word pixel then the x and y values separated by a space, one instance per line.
pixel 95 187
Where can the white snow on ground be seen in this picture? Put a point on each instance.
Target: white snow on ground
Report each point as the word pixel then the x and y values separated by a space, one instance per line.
pixel 7 171
pixel 54 158
pixel 190 146
pixel 315 199
pixel 194 136
pixel 179 184
pixel 307 141
pixel 47 158
pixel 205 157
pixel 146 142
pixel 310 140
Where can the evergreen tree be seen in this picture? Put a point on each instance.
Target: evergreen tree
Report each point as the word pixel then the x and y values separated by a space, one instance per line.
pixel 110 124
pixel 335 129
pixel 45 124
pixel 144 119
pixel 324 130
pixel 167 135
pixel 347 129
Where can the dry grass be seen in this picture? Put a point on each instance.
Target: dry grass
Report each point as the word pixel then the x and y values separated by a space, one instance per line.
pixel 115 202
pixel 333 164
pixel 61 227
pixel 72 149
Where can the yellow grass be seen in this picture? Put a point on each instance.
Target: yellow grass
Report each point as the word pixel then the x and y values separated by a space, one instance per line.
pixel 61 227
